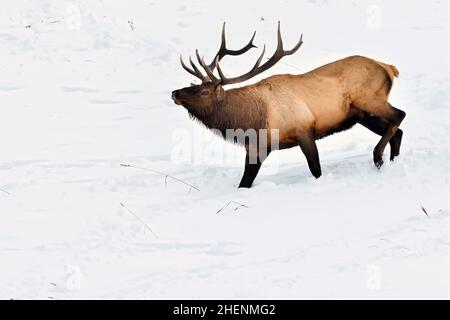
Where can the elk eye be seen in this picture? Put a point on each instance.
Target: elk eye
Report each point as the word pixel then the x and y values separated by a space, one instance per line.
pixel 205 93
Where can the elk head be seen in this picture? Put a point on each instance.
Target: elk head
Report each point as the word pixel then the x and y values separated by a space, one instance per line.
pixel 201 100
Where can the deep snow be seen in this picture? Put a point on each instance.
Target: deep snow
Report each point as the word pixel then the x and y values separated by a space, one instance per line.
pixel 85 86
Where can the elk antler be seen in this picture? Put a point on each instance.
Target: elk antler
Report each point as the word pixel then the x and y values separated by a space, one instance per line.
pixel 257 68
pixel 223 51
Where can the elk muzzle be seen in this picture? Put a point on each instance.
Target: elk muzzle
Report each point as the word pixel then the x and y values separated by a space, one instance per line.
pixel 176 97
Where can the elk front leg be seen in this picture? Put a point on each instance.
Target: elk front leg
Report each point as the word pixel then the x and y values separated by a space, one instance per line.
pixel 253 163
pixel 309 148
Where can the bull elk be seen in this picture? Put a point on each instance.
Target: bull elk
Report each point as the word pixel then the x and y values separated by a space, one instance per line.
pixel 302 108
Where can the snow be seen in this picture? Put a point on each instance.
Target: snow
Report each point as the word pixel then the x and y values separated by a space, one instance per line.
pixel 85 86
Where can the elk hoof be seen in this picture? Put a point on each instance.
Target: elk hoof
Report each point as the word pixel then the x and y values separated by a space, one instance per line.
pixel 378 163
pixel 245 185
pixel 317 174
pixel 393 155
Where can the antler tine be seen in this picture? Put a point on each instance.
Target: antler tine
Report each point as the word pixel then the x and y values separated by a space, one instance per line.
pixel 258 62
pixel 196 72
pixel 208 70
pixel 195 67
pixel 296 47
pixel 223 39
pixel 279 38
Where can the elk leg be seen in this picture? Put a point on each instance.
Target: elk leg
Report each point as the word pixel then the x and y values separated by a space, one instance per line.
pixel 395 117
pixel 395 143
pixel 380 126
pixel 309 149
pixel 252 166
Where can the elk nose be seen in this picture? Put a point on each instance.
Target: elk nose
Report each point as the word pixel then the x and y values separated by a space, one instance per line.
pixel 174 94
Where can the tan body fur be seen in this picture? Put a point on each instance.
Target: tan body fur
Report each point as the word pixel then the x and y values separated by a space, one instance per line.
pixel 322 99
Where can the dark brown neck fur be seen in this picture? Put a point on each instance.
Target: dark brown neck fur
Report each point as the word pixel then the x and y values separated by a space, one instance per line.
pixel 241 108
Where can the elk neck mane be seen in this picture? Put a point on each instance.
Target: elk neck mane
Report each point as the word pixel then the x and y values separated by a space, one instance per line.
pixel 241 108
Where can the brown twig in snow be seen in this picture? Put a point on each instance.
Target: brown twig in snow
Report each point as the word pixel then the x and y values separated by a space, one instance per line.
pixel 137 217
pixel 163 174
pixel 230 202
pixel 425 211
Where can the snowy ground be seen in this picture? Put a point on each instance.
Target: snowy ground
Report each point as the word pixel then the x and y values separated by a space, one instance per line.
pixel 85 86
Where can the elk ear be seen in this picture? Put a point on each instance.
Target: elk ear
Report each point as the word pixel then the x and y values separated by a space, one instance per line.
pixel 219 91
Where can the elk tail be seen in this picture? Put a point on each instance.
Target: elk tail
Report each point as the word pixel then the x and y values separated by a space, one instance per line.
pixel 390 69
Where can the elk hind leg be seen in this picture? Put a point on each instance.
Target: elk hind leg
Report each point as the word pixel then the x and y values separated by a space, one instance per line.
pixel 394 117
pixel 380 126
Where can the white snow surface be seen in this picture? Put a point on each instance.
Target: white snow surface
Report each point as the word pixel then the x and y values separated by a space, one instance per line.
pixel 85 86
